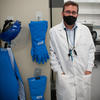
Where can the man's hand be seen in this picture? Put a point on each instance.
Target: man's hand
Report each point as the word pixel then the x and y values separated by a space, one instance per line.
pixel 63 73
pixel 87 72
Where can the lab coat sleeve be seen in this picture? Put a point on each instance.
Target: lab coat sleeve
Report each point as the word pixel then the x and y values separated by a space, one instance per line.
pixel 91 55
pixel 54 62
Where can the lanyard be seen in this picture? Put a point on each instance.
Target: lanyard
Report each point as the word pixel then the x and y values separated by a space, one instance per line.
pixel 71 50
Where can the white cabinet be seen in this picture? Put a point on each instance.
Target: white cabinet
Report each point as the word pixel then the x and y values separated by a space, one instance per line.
pixel 85 1
pixel 89 8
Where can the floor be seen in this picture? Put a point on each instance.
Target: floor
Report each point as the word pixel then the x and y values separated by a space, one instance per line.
pixel 95 82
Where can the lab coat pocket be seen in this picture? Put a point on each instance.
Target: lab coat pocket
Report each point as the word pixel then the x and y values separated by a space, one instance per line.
pixel 60 82
pixel 65 86
pixel 87 86
pixel 87 80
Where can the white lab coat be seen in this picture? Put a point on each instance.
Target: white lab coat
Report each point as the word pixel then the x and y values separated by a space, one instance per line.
pixel 74 85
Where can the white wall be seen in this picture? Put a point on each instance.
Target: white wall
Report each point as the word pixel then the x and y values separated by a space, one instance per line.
pixel 25 11
pixel 56 16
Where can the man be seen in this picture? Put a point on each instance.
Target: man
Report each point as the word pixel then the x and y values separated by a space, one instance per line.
pixel 72 56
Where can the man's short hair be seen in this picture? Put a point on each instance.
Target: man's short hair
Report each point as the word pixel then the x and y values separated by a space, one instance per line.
pixel 68 3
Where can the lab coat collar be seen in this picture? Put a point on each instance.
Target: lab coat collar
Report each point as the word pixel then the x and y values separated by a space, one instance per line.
pixel 77 35
pixel 75 26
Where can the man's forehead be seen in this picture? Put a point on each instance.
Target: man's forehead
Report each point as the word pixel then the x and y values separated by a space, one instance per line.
pixel 71 7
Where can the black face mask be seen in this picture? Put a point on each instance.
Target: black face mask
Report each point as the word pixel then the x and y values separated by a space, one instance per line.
pixel 70 20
